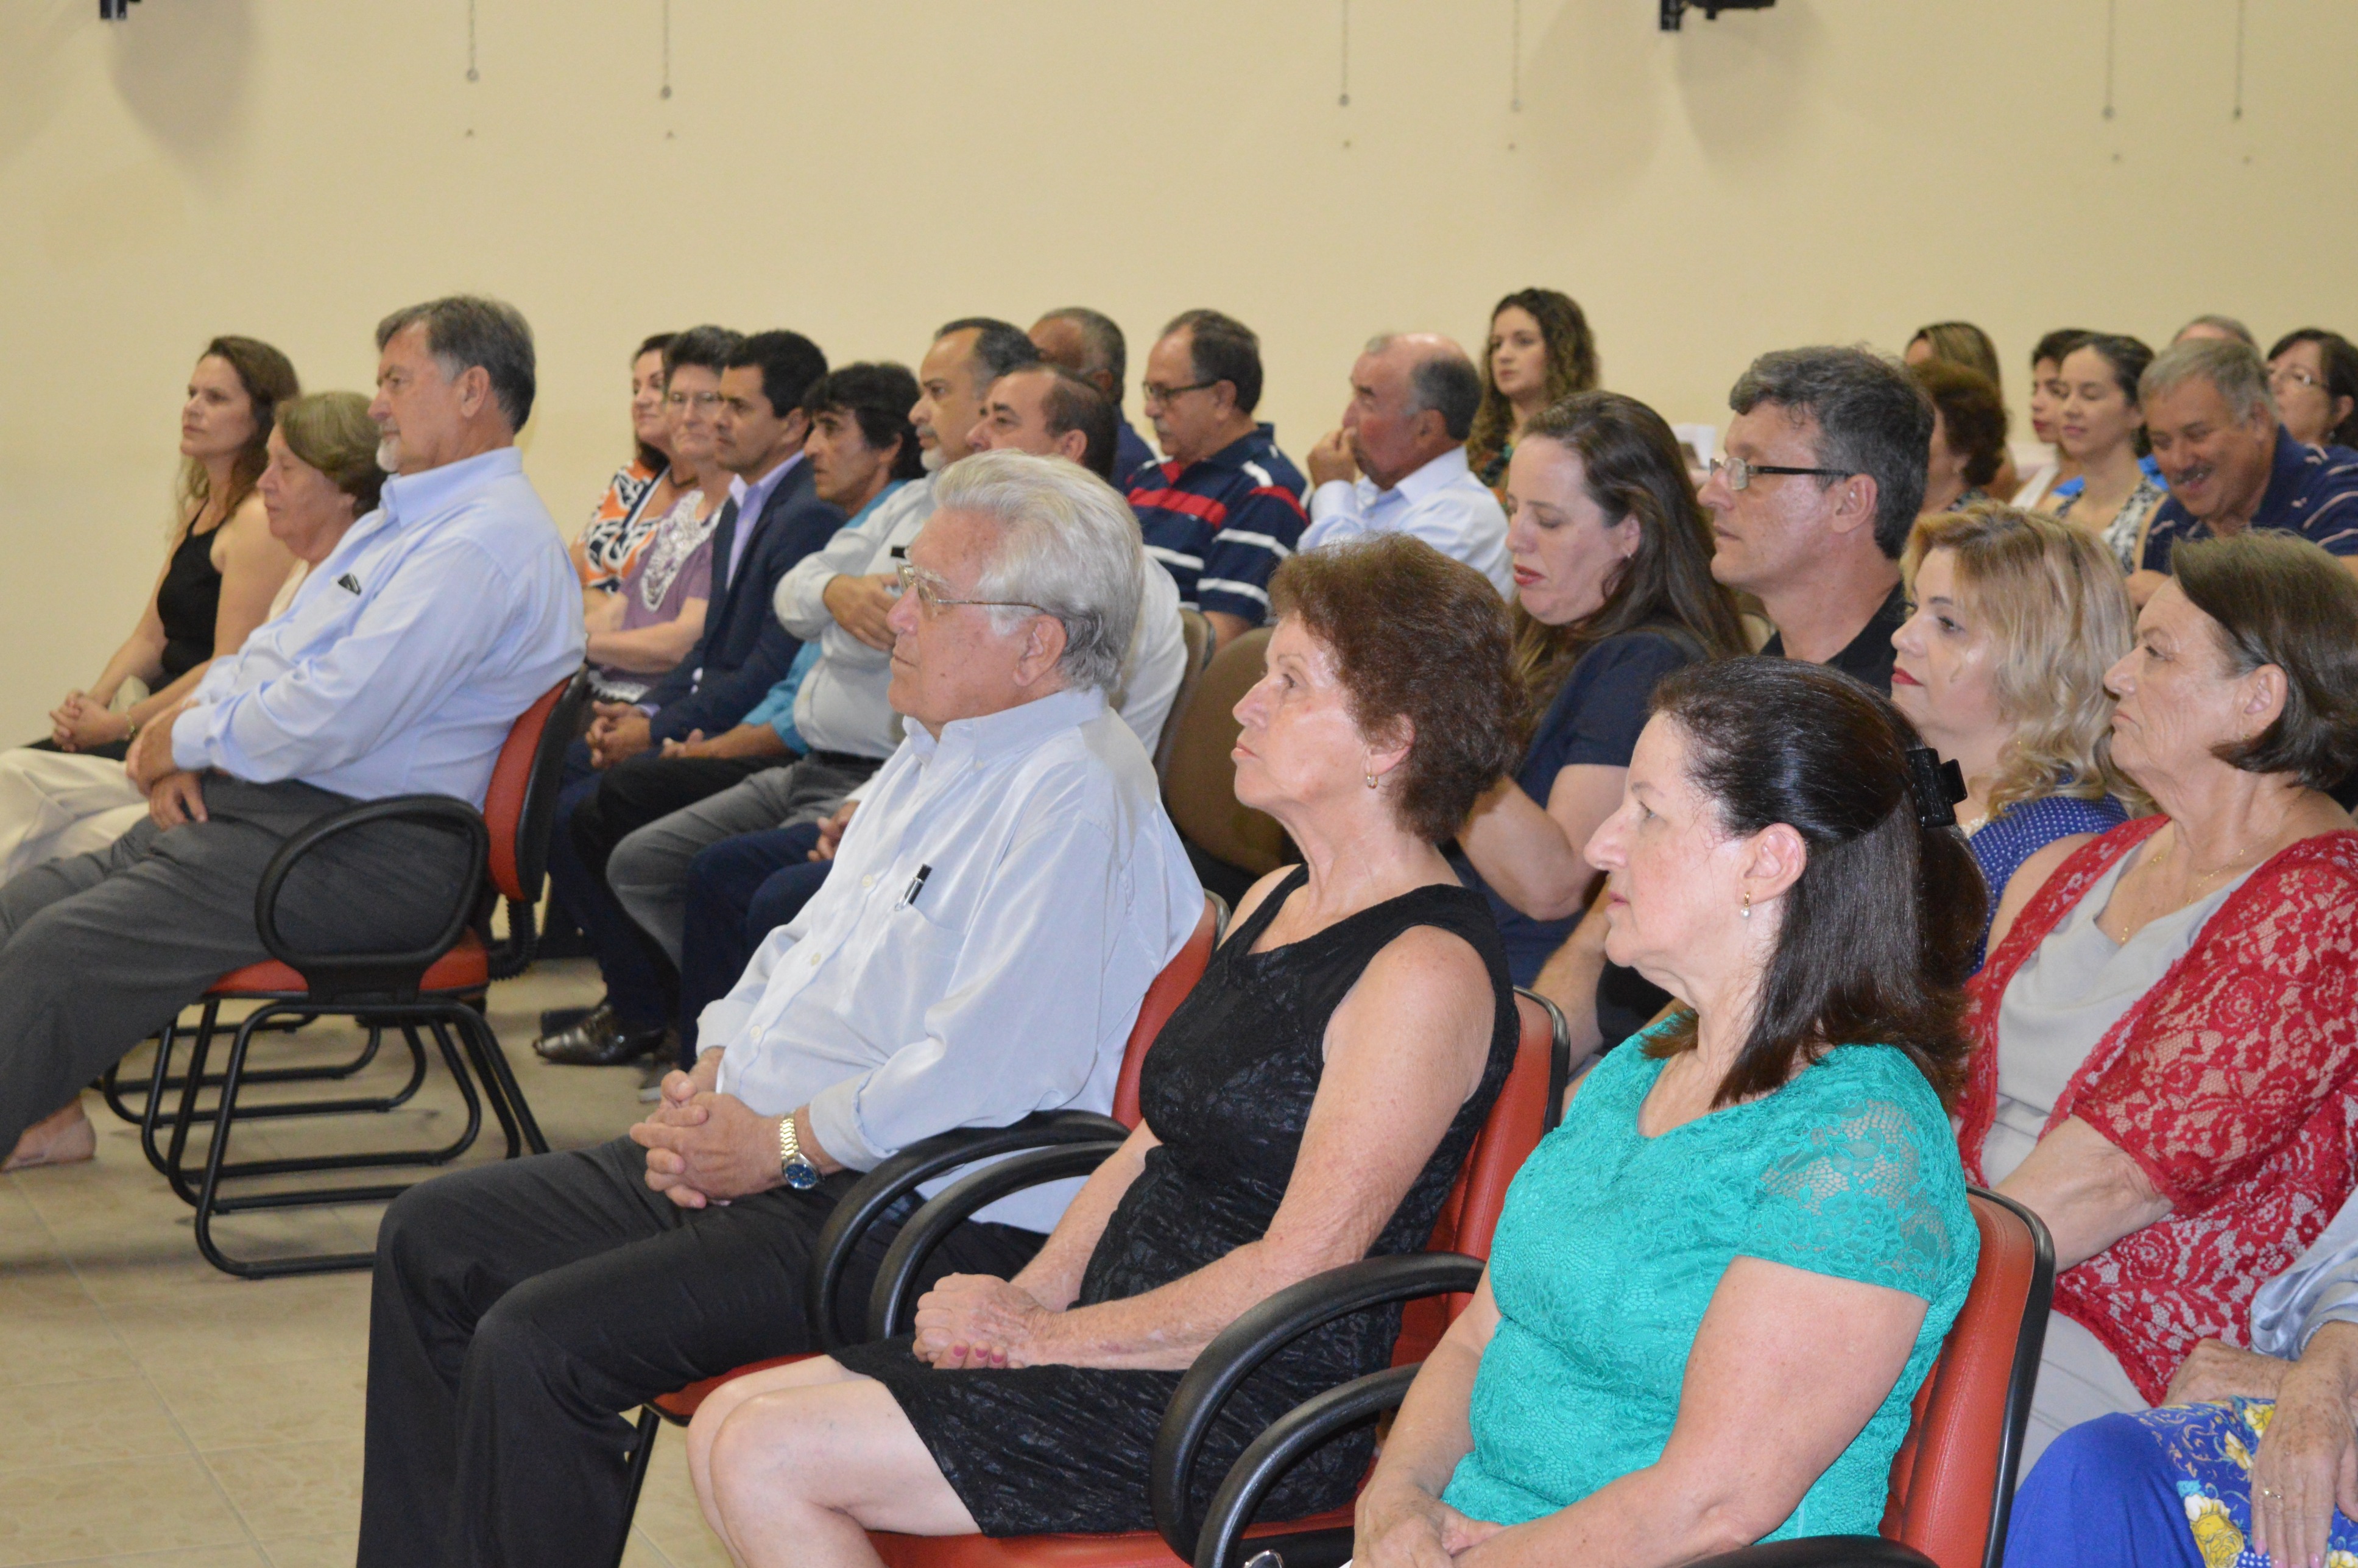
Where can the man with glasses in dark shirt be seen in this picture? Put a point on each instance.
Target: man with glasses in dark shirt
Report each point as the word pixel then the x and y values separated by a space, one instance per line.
pixel 1225 507
pixel 1813 501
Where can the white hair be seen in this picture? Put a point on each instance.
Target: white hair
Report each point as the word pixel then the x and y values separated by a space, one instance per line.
pixel 1067 544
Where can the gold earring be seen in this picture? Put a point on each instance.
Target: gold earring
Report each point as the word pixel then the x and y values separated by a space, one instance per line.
pixel 1371 781
pixel 1746 913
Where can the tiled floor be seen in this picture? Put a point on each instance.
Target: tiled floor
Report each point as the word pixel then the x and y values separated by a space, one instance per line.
pixel 155 1411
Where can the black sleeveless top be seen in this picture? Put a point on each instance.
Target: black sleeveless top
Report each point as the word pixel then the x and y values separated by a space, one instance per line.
pixel 1228 1088
pixel 188 603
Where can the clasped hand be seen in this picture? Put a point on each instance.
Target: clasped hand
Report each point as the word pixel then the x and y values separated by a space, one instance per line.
pixel 1400 1525
pixel 80 723
pixel 703 1147
pixel 620 733
pixel 976 1320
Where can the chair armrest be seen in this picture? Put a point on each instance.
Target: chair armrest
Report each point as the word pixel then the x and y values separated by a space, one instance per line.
pixel 897 1178
pixel 1821 1552
pixel 893 1301
pixel 1559 1059
pixel 374 973
pixel 1269 1456
pixel 1239 1350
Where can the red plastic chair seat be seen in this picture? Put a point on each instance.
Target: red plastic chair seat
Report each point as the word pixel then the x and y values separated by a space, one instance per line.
pixel 1133 1549
pixel 465 969
pixel 681 1406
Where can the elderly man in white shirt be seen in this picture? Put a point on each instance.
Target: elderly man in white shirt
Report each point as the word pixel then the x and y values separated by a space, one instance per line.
pixel 399 667
pixel 1398 463
pixel 999 906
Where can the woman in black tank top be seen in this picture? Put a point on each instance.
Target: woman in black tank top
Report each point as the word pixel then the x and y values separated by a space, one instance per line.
pixel 224 566
pixel 1308 1105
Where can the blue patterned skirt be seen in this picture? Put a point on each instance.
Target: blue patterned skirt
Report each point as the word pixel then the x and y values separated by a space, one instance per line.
pixel 2171 1485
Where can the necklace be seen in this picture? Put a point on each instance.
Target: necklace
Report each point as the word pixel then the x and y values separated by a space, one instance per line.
pixel 2201 881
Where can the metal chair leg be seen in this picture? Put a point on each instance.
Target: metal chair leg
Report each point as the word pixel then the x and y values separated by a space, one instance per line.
pixel 500 1077
pixel 643 1449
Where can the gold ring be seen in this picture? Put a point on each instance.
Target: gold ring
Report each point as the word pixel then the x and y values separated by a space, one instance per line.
pixel 2271 1492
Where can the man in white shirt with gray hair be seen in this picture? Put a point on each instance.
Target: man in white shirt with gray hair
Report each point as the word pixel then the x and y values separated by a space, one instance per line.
pixel 998 907
pixel 1397 463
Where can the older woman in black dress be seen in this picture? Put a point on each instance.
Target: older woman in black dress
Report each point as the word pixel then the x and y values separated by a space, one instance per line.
pixel 1307 1106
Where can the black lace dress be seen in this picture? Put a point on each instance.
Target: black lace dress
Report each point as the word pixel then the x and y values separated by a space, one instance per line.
pixel 1227 1089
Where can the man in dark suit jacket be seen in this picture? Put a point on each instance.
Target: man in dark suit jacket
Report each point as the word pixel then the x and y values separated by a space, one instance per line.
pixel 744 651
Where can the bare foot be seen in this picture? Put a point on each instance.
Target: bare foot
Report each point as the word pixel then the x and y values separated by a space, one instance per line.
pixel 65 1138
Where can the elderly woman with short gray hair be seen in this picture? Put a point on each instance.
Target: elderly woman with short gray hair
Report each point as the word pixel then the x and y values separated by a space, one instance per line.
pixel 1308 1105
pixel 2164 1053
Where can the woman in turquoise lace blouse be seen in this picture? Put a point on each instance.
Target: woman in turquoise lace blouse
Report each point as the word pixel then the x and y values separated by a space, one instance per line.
pixel 1718 1287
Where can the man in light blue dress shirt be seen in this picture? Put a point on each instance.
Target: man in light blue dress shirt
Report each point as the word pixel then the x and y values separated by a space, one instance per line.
pixel 399 667
pixel 997 911
pixel 1398 463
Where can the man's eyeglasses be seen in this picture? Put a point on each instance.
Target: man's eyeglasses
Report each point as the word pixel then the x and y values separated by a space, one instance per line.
pixel 1155 394
pixel 1736 474
pixel 930 599
pixel 2293 375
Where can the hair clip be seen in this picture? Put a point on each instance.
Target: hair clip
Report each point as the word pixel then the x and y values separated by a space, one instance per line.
pixel 1937 786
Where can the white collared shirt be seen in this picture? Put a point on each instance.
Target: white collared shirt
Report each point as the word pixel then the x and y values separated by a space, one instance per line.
pixel 842 706
pixel 1003 981
pixel 404 657
pixel 1441 503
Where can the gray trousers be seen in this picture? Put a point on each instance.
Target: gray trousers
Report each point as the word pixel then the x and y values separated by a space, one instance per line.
pixel 648 870
pixel 98 951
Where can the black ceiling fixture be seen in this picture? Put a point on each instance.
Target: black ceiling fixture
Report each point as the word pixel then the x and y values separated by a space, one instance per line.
pixel 1673 11
pixel 115 10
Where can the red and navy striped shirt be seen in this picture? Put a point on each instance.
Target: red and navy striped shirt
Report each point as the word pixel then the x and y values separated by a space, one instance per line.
pixel 1220 527
pixel 2312 491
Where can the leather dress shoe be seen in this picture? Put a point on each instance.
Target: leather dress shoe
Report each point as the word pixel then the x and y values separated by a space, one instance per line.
pixel 599 1042
pixel 557 1019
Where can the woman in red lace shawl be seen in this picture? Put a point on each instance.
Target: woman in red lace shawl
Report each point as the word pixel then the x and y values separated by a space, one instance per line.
pixel 2166 1034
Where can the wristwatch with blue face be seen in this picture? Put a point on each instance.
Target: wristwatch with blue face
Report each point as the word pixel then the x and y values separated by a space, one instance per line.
pixel 794 1165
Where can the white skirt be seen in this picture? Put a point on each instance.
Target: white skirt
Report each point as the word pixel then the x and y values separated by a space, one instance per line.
pixel 2079 1380
pixel 58 803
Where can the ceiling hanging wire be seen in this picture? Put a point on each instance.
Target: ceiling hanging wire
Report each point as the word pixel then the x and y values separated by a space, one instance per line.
pixel 1344 97
pixel 1515 64
pixel 2239 59
pixel 2112 36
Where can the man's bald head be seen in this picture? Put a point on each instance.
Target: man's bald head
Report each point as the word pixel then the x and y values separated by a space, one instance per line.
pixel 1413 399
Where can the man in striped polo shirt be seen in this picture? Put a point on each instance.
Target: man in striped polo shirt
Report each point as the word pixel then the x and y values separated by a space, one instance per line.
pixel 1226 506
pixel 2230 463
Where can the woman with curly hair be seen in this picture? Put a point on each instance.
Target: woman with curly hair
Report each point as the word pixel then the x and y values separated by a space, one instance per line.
pixel 1539 352
pixel 2001 667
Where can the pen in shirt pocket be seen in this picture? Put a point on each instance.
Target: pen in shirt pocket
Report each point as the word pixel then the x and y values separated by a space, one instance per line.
pixel 917 886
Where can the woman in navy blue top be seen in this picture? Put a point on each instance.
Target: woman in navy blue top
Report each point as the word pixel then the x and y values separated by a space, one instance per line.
pixel 1614 590
pixel 2015 617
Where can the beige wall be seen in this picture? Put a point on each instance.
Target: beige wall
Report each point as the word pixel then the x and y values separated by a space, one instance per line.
pixel 1829 169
